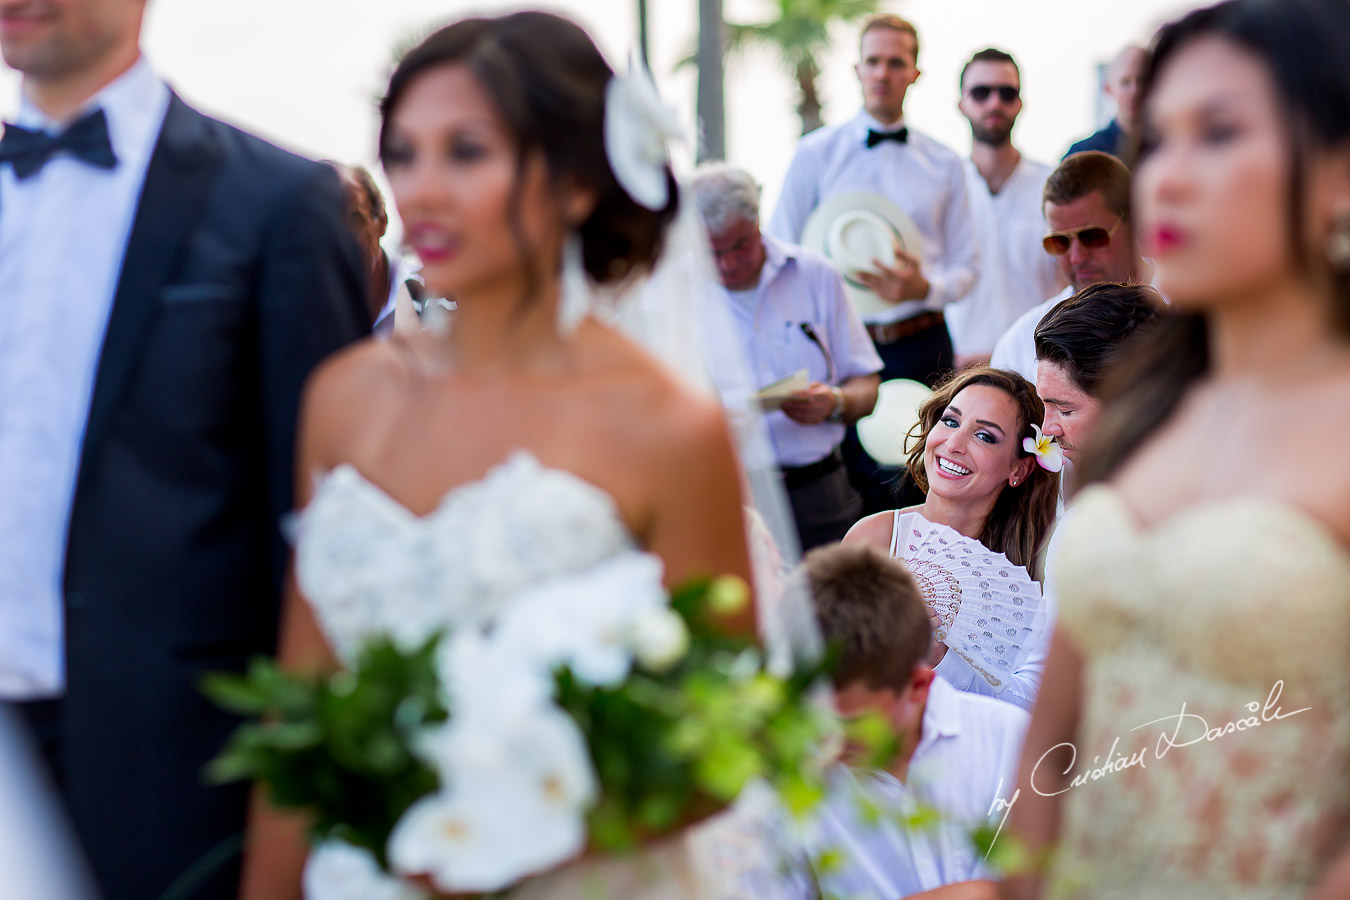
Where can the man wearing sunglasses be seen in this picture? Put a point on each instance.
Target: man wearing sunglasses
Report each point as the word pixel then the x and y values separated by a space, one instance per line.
pixel 1086 204
pixel 1005 203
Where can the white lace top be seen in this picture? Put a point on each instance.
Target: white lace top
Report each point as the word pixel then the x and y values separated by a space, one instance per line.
pixel 368 565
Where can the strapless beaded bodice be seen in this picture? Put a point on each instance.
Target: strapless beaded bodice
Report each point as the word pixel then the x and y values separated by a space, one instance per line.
pixel 1215 725
pixel 368 565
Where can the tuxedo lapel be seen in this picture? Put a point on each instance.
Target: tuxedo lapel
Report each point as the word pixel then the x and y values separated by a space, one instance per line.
pixel 180 174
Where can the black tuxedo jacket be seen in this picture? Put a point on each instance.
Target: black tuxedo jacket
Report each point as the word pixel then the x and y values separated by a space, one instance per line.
pixel 239 276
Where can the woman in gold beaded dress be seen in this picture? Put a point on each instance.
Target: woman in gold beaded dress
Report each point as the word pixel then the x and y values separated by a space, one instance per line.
pixel 1192 739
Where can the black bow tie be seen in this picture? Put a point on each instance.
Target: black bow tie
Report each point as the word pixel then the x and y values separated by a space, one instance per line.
pixel 29 150
pixel 899 135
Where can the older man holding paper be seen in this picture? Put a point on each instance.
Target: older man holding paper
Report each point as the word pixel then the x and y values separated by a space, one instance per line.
pixel 810 354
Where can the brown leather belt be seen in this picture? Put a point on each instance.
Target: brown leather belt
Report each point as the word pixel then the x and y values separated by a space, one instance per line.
pixel 890 332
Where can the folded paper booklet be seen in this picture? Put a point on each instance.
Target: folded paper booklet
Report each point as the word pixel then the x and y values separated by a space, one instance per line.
pixel 772 395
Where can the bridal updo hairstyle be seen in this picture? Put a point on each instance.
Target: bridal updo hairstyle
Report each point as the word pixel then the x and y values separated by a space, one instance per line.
pixel 547 80
pixel 1021 518
pixel 1303 46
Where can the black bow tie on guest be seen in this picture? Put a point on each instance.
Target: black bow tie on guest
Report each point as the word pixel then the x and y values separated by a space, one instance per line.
pixel 899 135
pixel 30 150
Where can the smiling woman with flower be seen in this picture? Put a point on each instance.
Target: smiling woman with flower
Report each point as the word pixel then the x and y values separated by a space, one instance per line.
pixel 988 472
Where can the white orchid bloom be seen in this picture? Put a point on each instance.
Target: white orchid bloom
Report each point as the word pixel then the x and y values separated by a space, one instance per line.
pixel 637 127
pixel 340 871
pixel 585 621
pixel 484 836
pixel 481 675
pixel 515 799
pixel 1049 455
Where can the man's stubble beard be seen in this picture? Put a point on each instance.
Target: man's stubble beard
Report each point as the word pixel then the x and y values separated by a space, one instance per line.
pixel 993 137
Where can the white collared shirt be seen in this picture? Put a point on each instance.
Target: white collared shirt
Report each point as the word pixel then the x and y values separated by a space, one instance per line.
pixel 1016 350
pixel 1015 271
pixel 63 233
pixel 797 286
pixel 921 176
pixel 967 756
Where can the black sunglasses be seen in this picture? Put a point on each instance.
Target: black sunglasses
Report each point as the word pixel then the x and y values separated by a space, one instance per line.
pixel 1006 92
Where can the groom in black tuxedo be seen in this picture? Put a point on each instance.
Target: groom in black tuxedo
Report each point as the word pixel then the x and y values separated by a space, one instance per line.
pixel 166 284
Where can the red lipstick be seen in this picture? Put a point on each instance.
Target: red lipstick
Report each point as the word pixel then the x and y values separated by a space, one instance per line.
pixel 1165 238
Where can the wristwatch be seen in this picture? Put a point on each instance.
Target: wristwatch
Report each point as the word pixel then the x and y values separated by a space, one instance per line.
pixel 836 415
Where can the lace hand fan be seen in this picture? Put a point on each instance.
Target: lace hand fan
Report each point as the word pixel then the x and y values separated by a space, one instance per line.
pixel 990 609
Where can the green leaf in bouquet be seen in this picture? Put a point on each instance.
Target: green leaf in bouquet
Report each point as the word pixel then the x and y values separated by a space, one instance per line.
pixel 609 827
pixel 236 693
pixel 687 599
pixel 867 808
pixel 1005 853
pixel 922 817
pixel 762 695
pixel 660 812
pixel 727 767
pixel 293 736
pixel 828 861
pixel 799 794
pixel 873 734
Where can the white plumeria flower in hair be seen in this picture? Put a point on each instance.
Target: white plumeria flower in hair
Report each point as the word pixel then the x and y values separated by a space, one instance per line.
pixel 637 127
pixel 1048 454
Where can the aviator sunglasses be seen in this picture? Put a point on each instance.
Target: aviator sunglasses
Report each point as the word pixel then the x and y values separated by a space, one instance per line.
pixel 1006 92
pixel 1094 237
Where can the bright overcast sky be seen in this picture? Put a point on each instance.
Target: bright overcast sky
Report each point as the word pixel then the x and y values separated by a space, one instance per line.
pixel 306 73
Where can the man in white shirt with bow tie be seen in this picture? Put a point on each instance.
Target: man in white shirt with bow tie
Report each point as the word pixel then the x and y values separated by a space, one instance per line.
pixel 876 151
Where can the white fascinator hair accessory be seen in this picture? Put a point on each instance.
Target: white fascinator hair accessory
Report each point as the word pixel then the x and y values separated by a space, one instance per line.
pixel 1049 455
pixel 638 127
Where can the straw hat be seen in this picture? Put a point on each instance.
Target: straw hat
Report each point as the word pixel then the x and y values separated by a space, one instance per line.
pixel 853 229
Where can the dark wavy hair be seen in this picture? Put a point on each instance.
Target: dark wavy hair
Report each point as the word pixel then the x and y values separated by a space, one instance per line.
pixel 1021 518
pixel 547 80
pixel 1086 333
pixel 1303 46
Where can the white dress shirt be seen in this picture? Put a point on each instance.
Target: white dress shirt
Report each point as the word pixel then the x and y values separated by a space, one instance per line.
pixel 1016 350
pixel 967 756
pixel 921 176
pixel 1015 271
pixel 63 233
pixel 797 286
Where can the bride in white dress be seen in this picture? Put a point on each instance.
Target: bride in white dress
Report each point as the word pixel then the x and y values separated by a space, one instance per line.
pixel 440 474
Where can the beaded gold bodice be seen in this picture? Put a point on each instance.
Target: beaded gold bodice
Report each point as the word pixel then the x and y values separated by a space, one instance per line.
pixel 1213 750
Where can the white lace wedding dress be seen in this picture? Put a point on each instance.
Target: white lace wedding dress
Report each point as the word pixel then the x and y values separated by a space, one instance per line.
pixel 368 565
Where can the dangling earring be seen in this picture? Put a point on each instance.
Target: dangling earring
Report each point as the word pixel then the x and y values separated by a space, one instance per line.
pixel 574 302
pixel 1338 245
